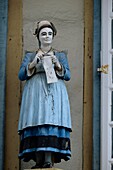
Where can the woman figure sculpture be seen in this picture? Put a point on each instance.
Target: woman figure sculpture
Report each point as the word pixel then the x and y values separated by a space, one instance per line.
pixel 45 123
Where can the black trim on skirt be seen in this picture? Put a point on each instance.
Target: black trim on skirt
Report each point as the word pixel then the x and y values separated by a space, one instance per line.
pixel 35 142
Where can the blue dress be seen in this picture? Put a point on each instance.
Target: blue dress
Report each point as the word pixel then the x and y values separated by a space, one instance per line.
pixel 45 122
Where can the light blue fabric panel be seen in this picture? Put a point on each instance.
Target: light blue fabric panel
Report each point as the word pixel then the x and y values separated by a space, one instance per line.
pixel 3 42
pixel 44 104
pixel 96 84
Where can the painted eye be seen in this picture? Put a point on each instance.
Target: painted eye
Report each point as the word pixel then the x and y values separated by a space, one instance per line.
pixel 43 33
pixel 50 33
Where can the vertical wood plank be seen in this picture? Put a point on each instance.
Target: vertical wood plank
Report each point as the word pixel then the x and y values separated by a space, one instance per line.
pixel 14 53
pixel 46 169
pixel 88 88
pixel 3 46
pixel 96 85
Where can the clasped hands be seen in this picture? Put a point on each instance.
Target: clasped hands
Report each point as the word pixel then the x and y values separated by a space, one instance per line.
pixel 40 57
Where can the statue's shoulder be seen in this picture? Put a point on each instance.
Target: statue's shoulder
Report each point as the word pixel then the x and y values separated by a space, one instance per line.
pixel 61 52
pixel 30 52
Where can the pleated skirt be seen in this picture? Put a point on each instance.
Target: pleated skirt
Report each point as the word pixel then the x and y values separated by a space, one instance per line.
pixel 44 103
pixel 45 138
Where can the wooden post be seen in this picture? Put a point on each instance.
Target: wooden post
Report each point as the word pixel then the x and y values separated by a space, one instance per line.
pixel 88 86
pixel 46 169
pixel 3 46
pixel 14 54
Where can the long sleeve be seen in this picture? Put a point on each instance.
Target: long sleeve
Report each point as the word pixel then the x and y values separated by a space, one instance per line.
pixel 24 66
pixel 64 62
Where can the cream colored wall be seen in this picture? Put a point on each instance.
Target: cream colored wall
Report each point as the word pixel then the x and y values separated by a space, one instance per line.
pixel 67 15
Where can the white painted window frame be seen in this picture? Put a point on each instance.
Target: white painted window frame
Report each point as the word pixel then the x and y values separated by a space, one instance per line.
pixel 106 86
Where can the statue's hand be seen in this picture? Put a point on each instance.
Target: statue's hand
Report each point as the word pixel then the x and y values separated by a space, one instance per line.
pixel 56 62
pixel 34 62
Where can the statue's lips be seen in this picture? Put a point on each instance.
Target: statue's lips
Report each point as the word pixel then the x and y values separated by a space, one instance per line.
pixel 47 40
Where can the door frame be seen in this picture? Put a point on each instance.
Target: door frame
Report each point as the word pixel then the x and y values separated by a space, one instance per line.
pixel 106 86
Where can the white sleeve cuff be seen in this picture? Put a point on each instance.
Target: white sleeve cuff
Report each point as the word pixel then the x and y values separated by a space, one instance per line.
pixel 60 73
pixel 30 72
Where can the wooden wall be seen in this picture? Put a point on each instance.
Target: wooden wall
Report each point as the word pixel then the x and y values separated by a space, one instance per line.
pixel 14 54
pixel 3 46
pixel 88 86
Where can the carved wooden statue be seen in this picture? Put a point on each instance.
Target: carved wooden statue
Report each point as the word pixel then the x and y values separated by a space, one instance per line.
pixel 45 123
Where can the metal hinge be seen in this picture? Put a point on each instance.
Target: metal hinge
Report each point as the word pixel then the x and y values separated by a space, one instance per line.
pixel 103 69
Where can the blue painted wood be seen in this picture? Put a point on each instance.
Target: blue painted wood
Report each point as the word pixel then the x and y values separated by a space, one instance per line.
pixel 96 84
pixel 3 44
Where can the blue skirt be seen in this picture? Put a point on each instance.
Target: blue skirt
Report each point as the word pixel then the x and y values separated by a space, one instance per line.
pixel 45 138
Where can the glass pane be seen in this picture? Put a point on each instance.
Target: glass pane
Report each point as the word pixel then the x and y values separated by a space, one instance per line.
pixel 112 5
pixel 112 33
pixel 112 106
pixel 112 145
pixel 112 69
pixel 111 167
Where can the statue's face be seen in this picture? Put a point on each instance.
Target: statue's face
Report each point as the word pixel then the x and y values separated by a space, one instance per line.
pixel 46 36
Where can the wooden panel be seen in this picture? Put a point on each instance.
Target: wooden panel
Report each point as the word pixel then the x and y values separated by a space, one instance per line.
pixel 96 85
pixel 46 169
pixel 88 75
pixel 14 53
pixel 3 45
